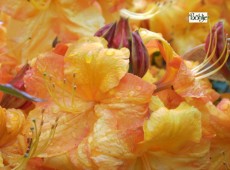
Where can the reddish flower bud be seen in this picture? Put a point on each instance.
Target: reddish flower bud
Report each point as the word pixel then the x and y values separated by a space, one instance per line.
pixel 139 58
pixel 10 101
pixel 119 35
pixel 218 34
pixel 103 30
pixel 122 34
pixel 217 48
pixel 107 32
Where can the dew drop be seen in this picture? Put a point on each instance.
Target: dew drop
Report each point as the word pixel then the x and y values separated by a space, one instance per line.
pixel 88 57
pixel 110 52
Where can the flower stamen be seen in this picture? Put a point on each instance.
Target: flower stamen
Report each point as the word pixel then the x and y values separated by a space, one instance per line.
pixel 56 87
pixel 157 8
pixel 225 54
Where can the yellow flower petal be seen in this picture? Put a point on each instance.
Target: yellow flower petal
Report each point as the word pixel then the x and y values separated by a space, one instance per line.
pixel 105 147
pixel 60 131
pixel 1 161
pixel 97 68
pixel 11 122
pixel 195 157
pixel 42 22
pixel 18 9
pixel 149 78
pixel 173 129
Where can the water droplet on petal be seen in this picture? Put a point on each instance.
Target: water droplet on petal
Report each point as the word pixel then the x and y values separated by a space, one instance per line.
pixel 88 57
pixel 110 52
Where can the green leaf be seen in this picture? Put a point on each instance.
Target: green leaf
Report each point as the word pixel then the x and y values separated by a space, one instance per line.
pixel 9 89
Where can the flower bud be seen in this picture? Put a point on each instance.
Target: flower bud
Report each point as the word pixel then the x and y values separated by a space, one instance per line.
pixel 10 101
pixel 107 32
pixel 118 35
pixel 218 33
pixel 101 32
pixel 122 34
pixel 217 40
pixel 139 59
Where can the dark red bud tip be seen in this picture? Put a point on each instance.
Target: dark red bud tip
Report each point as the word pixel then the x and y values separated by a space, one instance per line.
pixel 139 58
pixel 103 30
pixel 9 101
pixel 122 34
pixel 17 81
pixel 107 32
pixel 217 35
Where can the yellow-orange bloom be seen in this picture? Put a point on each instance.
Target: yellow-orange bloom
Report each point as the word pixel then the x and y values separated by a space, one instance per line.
pixel 88 88
pixel 11 122
pixel 41 21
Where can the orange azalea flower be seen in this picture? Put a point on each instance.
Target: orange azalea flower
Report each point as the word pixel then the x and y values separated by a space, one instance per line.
pixel 41 21
pixel 11 124
pixel 160 148
pixel 220 153
pixel 87 88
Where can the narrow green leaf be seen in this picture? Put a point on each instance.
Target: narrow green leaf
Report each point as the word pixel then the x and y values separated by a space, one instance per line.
pixel 9 89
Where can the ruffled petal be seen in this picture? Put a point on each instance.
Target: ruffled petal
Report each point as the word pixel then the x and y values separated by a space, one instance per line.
pixel 186 85
pixel 172 130
pixel 105 148
pixel 82 20
pixel 195 157
pixel 33 37
pixel 11 122
pixel 96 69
pixel 128 102
pixel 18 9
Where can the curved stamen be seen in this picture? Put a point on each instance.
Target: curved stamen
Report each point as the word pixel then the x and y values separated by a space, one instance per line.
pixel 207 58
pixel 217 69
pixel 216 62
pixel 32 149
pixel 146 15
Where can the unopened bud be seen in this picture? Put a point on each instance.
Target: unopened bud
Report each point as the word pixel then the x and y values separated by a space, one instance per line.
pixel 118 35
pixel 217 40
pixel 107 32
pixel 101 32
pixel 122 34
pixel 139 59
pixel 10 101
pixel 218 34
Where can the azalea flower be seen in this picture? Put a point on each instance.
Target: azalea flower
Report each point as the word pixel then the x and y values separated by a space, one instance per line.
pixel 41 21
pixel 101 98
pixel 122 99
pixel 219 156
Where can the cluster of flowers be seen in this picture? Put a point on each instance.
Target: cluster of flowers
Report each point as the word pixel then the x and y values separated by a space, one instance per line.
pixel 77 93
